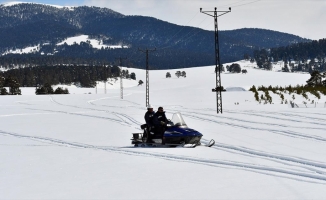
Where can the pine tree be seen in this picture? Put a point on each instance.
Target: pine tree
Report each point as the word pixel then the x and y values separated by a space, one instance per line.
pixel 2 81
pixel 13 86
pixel 133 76
pixel 235 68
pixel 316 79
pixel 3 91
pixel 178 74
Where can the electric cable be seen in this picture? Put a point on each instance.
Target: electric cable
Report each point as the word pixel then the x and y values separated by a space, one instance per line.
pixel 246 3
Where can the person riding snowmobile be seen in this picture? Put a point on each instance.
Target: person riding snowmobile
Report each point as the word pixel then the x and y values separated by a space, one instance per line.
pixel 160 122
pixel 149 121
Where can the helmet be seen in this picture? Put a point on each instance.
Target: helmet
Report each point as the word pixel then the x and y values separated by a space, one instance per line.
pixel 149 106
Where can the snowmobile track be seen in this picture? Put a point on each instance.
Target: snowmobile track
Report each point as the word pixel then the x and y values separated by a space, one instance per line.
pixel 273 157
pixel 285 173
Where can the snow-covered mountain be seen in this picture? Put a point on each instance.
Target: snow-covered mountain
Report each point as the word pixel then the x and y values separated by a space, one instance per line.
pixel 14 3
pixel 27 25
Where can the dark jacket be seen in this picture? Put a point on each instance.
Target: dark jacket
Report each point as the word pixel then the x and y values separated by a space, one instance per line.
pixel 160 117
pixel 149 118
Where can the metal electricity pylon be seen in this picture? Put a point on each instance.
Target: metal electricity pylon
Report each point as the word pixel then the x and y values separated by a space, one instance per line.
pixel 217 56
pixel 121 82
pixel 147 74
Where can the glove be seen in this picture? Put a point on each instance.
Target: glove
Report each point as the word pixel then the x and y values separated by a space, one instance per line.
pixel 162 123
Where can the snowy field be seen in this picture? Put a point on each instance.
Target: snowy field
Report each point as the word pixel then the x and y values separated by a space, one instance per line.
pixel 78 146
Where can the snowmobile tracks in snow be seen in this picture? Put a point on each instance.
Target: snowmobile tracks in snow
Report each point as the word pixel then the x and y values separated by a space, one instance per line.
pixel 312 177
pixel 281 132
pixel 299 162
pixel 255 122
pixel 271 115
pixel 122 122
pixel 128 120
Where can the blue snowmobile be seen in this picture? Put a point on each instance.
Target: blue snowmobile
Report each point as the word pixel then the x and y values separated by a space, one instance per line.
pixel 177 133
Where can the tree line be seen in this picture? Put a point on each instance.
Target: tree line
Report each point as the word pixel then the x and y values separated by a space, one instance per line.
pixel 83 76
pixel 10 82
pixel 306 57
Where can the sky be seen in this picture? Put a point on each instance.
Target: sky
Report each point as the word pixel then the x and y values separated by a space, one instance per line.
pixel 299 17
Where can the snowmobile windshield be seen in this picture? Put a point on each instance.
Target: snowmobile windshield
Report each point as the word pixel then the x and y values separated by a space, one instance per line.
pixel 177 120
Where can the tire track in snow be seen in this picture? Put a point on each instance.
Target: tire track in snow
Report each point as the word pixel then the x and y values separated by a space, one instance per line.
pixel 134 121
pixel 100 99
pixel 281 132
pixel 122 122
pixel 125 118
pixel 120 115
pixel 253 122
pixel 299 162
pixel 272 157
pixel 25 114
pixel 313 113
pixel 214 163
pixel 291 114
pixel 253 113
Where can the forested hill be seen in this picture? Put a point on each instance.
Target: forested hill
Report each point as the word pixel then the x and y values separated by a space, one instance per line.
pixel 43 27
pixel 307 56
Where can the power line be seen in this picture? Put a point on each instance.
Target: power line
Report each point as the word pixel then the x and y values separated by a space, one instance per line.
pixel 232 3
pixel 181 28
pixel 247 3
pixel 194 29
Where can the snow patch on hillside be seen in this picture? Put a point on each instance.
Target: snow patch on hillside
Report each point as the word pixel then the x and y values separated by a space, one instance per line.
pixel 26 50
pixel 8 4
pixel 97 44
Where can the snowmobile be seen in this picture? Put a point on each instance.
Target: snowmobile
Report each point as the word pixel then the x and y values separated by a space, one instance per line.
pixel 177 133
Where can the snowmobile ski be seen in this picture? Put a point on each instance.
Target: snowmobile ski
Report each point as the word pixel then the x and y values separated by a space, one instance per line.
pixel 211 143
pixel 165 145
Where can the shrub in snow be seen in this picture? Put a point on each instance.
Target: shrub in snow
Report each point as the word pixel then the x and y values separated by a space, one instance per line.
pixel 235 68
pixel 178 74
pixel 60 90
pixel 3 91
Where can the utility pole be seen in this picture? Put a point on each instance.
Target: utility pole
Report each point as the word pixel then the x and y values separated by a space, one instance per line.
pixel 147 75
pixel 121 82
pixel 104 87
pixel 217 56
pixel 105 79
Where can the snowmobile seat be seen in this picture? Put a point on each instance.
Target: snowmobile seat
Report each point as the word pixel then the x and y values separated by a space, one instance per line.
pixel 143 126
pixel 136 136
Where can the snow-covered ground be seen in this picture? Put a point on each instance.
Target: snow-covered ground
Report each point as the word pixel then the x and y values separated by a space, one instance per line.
pixel 78 146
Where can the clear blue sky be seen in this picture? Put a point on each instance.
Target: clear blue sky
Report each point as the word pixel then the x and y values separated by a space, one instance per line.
pixel 305 18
